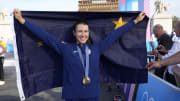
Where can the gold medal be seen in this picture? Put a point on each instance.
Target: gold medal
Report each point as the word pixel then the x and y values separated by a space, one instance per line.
pixel 86 81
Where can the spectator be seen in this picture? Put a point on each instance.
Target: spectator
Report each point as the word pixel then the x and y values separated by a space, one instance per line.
pixel 2 51
pixel 163 41
pixel 175 48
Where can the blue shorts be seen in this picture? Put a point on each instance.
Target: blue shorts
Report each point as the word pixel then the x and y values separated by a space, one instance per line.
pixel 86 99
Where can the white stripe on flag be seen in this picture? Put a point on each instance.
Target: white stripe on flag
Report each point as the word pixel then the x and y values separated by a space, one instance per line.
pixel 18 72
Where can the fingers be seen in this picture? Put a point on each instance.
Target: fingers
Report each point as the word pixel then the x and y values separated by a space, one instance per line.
pixel 142 15
pixel 154 65
pixel 160 46
pixel 16 11
pixel 148 65
pixel 18 16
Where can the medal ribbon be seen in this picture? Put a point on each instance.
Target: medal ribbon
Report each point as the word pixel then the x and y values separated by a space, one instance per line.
pixel 82 59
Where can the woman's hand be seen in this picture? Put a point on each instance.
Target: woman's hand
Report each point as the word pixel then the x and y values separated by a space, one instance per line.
pixel 140 17
pixel 18 16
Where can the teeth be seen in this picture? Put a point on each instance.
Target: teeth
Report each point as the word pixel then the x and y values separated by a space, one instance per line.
pixel 82 38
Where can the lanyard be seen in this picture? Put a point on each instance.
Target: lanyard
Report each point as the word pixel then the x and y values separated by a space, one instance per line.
pixel 82 59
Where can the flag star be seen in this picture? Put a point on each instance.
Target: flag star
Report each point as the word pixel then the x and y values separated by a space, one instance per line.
pixel 40 43
pixel 119 23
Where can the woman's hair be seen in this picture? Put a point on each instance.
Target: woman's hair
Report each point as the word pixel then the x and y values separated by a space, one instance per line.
pixel 80 21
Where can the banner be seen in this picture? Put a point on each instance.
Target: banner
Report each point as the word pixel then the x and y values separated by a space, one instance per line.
pixel 157 90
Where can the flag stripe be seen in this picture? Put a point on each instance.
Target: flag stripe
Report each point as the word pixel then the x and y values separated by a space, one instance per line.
pixel 18 71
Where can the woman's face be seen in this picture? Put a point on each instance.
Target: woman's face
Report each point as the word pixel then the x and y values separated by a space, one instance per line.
pixel 81 33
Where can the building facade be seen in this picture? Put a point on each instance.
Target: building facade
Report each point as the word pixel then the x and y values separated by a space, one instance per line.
pixel 98 5
pixel 6 29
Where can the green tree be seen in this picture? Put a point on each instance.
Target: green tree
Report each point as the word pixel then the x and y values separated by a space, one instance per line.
pixel 174 20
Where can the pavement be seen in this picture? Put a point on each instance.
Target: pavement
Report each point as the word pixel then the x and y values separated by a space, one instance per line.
pixel 9 92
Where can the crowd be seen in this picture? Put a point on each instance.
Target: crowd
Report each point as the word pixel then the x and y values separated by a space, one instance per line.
pixel 167 63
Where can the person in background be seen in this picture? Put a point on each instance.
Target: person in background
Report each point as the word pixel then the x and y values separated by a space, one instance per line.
pixel 163 41
pixel 169 75
pixel 2 52
pixel 172 60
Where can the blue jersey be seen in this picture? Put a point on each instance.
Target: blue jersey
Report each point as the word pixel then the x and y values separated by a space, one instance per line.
pixel 73 70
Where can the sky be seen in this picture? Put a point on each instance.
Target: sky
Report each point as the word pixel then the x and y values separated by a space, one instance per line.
pixel 174 7
pixel 68 5
pixel 40 5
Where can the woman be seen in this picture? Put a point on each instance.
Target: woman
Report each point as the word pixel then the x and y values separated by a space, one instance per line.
pixel 80 59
